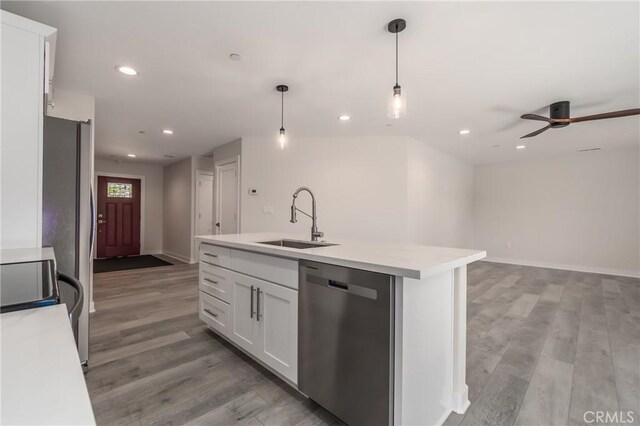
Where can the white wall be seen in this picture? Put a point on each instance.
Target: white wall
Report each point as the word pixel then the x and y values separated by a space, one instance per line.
pixel 440 203
pixel 151 241
pixel 580 211
pixel 177 207
pixel 228 150
pixel 364 189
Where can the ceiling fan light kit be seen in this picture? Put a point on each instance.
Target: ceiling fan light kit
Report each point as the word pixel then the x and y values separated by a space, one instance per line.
pixel 560 116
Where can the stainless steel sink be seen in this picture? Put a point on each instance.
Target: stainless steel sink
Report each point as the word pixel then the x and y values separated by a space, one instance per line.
pixel 296 244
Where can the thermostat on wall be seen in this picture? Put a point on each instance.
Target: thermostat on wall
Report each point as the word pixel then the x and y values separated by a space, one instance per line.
pixel 253 191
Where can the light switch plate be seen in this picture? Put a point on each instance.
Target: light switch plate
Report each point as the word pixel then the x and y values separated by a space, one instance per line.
pixel 253 191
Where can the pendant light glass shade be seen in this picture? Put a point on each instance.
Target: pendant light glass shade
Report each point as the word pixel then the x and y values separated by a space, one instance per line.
pixel 282 138
pixel 397 103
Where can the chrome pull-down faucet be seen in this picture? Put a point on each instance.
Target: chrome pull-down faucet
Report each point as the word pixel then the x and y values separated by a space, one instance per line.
pixel 315 234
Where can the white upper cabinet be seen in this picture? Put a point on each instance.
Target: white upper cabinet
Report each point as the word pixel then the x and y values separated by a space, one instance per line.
pixel 26 72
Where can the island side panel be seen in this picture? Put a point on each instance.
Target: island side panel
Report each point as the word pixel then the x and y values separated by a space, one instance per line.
pixel 424 349
pixel 397 353
pixel 460 388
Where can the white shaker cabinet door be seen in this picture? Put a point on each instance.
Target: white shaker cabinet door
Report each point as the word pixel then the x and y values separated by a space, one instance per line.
pixel 244 327
pixel 278 320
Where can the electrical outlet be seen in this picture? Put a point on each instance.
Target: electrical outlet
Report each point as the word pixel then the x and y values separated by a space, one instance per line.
pixel 253 191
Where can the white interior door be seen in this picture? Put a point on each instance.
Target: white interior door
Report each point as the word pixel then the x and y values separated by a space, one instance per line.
pixel 204 207
pixel 227 198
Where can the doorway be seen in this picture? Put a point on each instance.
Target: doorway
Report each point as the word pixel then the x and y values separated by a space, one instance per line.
pixel 118 216
pixel 227 186
pixel 204 203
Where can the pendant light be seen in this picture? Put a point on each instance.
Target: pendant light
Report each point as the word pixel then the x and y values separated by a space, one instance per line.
pixel 398 102
pixel 282 137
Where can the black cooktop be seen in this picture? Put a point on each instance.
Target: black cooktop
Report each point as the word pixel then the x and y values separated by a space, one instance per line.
pixel 28 285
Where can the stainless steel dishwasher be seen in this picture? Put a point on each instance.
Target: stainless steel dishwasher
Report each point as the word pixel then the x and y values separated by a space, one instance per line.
pixel 345 342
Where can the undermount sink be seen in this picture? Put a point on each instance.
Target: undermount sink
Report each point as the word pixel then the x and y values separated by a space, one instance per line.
pixel 296 244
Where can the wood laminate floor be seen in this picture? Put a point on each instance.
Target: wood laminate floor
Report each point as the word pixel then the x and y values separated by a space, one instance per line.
pixel 544 347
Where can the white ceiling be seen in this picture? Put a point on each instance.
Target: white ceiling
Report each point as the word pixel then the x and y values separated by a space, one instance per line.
pixel 475 65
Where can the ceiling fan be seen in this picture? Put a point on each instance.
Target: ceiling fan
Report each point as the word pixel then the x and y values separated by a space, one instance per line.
pixel 559 117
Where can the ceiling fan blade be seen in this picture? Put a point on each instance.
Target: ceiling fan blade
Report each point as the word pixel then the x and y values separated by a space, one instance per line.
pixel 613 114
pixel 536 117
pixel 537 132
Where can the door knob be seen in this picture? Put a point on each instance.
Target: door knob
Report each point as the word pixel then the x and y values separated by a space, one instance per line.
pixel 101 221
pixel 218 224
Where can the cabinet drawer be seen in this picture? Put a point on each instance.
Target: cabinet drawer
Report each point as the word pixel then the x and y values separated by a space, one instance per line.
pixel 269 268
pixel 215 281
pixel 214 255
pixel 215 313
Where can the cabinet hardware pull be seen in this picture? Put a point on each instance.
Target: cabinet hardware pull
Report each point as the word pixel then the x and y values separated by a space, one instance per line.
pixel 210 313
pixel 211 281
pixel 210 254
pixel 251 304
pixel 258 304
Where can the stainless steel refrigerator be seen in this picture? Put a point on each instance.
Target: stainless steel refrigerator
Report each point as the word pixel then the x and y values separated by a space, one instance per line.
pixel 68 209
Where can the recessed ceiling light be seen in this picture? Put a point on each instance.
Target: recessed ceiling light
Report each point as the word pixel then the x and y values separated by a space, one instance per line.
pixel 126 70
pixel 131 155
pixel 464 132
pixel 388 125
pixel 344 117
pixel 142 132
pixel 235 57
pixel 167 131
pixel 521 147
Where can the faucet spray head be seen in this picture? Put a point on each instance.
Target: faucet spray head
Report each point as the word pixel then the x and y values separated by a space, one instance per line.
pixel 293 211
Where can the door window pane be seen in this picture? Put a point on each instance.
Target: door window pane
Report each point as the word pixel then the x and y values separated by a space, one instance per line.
pixel 119 190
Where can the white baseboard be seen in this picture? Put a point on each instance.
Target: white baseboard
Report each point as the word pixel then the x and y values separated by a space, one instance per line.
pixel 178 257
pixel 461 400
pixel 578 268
pixel 151 252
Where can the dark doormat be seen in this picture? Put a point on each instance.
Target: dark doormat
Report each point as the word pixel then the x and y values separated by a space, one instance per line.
pixel 129 262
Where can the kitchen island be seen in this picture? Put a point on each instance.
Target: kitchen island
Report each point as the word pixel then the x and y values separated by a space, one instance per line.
pixel 249 294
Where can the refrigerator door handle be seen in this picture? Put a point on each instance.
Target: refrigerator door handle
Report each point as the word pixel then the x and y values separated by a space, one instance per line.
pixel 93 219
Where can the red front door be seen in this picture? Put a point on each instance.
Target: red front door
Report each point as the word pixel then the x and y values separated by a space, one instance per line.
pixel 118 216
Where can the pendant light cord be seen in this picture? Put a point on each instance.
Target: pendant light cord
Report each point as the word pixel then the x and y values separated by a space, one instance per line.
pixel 396 54
pixel 282 111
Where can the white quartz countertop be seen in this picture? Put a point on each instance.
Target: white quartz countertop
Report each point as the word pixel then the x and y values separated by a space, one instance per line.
pixel 407 260
pixel 41 375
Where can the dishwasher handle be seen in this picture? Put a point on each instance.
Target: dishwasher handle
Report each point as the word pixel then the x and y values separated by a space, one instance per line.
pixel 351 289
pixel 338 285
